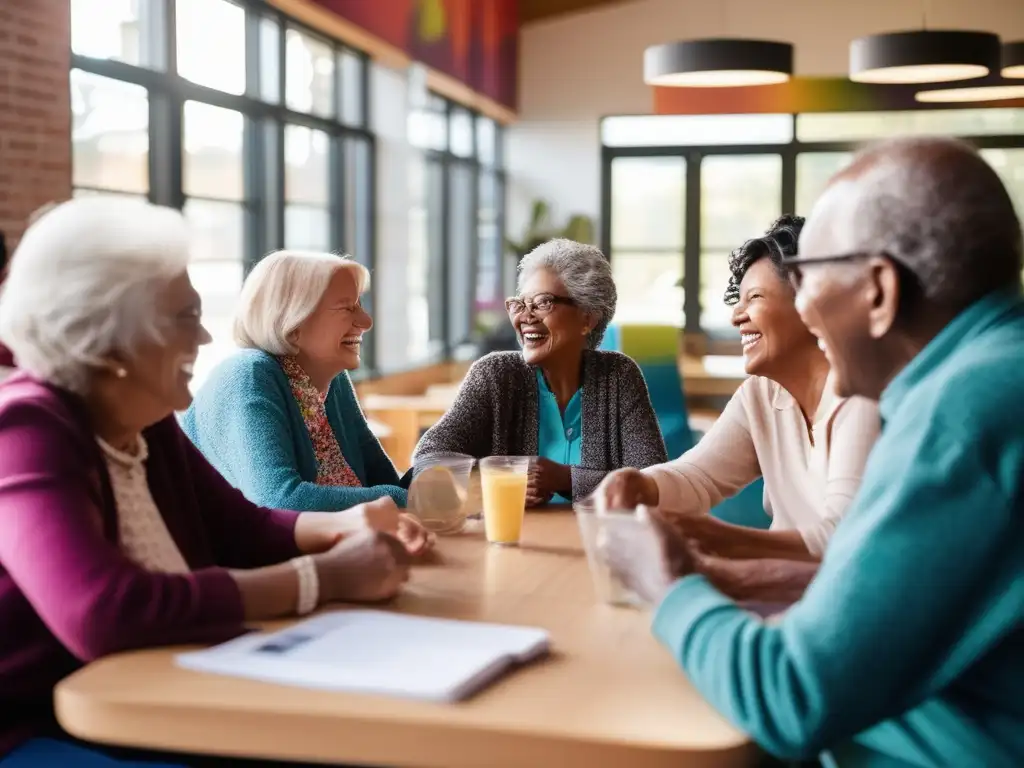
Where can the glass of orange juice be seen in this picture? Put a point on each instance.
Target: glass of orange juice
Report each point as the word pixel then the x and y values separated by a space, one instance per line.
pixel 503 487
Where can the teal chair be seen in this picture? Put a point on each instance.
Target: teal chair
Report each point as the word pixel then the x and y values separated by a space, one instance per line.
pixel 664 382
pixel 665 386
pixel 746 508
pixel 655 350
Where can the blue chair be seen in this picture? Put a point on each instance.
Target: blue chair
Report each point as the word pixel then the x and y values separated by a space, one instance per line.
pixel 611 341
pixel 665 385
pixel 746 508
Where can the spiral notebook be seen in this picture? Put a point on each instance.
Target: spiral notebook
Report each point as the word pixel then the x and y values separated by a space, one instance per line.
pixel 377 652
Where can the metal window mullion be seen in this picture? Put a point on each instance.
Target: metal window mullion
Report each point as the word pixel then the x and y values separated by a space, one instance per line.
pixel 371 240
pixel 788 186
pixel 446 297
pixel 168 40
pixel 273 185
pixel 365 97
pixel 165 149
pixel 691 245
pixel 605 238
pixel 473 222
pixel 499 190
pixel 337 167
pixel 253 55
pixel 283 23
pixel 255 199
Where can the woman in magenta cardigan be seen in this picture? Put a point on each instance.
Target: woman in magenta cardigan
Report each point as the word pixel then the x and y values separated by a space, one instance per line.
pixel 115 533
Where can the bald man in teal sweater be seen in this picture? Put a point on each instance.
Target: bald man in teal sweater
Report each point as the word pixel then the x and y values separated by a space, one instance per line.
pixel 907 648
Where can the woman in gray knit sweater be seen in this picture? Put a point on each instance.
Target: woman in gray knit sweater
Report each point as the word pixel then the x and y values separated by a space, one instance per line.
pixel 580 411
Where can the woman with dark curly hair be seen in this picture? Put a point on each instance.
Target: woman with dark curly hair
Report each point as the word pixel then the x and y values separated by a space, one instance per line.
pixel 785 424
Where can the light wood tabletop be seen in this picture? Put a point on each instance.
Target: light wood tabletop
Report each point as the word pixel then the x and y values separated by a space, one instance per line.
pixel 609 695
pixel 712 375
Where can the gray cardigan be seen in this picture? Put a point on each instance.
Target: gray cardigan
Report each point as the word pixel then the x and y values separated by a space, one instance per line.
pixel 495 414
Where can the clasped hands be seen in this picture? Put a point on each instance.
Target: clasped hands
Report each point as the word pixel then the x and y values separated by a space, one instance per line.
pixel 362 554
pixel 383 516
pixel 545 479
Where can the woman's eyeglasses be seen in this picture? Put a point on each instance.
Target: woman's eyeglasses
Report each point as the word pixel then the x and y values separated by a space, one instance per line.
pixel 542 304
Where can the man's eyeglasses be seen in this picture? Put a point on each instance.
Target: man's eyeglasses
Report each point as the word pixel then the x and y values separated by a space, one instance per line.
pixel 542 304
pixel 794 263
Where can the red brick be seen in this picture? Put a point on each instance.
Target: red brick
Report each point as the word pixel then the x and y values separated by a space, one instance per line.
pixel 35 128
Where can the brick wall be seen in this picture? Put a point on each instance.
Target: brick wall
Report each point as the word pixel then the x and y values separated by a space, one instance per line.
pixel 35 109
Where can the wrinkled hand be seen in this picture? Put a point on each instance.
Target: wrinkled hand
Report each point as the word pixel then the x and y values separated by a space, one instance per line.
pixel 383 516
pixel 647 555
pixel 706 534
pixel 627 489
pixel 367 566
pixel 378 515
pixel 546 478
pixel 416 539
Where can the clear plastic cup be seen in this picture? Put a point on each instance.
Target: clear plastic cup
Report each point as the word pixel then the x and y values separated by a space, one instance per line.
pixel 437 495
pixel 594 525
pixel 503 487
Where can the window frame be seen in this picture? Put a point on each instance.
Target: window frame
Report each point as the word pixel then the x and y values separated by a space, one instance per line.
pixel 263 146
pixel 440 285
pixel 718 340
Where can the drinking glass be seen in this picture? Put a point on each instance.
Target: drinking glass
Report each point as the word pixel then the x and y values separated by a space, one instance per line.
pixel 503 487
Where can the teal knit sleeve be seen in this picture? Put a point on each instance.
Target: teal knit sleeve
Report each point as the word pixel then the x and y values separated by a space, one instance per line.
pixel 240 421
pixel 920 581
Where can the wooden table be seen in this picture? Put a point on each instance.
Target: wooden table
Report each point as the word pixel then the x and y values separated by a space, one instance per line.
pixel 608 696
pixel 711 376
pixel 405 417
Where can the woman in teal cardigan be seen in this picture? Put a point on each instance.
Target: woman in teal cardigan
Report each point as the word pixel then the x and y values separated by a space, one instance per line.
pixel 280 419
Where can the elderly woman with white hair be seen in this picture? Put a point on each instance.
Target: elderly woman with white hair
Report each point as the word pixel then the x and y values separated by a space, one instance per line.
pixel 580 411
pixel 280 419
pixel 115 532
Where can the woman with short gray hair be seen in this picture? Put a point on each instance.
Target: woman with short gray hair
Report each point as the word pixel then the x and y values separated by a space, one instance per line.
pixel 581 412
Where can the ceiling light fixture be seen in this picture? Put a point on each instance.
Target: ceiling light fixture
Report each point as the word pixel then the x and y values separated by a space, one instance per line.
pixel 972 93
pixel 718 63
pixel 1013 59
pixel 924 56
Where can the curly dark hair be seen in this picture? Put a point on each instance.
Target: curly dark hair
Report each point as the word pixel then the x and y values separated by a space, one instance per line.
pixel 778 242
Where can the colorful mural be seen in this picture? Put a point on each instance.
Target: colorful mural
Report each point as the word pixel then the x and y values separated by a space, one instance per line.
pixel 474 41
pixel 802 94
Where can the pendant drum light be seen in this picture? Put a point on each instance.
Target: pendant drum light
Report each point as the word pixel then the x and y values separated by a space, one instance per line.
pixel 924 56
pixel 718 63
pixel 1013 59
pixel 996 91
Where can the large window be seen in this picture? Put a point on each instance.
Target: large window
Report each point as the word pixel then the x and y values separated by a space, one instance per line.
pixel 740 195
pixel 457 256
pixel 251 124
pixel 648 232
pixel 682 191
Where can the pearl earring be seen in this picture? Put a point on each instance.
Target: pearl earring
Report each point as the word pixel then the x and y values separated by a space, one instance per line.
pixel 121 373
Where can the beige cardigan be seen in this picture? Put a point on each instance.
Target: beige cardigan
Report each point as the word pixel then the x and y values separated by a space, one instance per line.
pixel 808 483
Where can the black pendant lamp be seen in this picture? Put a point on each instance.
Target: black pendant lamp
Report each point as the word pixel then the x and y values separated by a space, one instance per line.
pixel 718 63
pixel 986 89
pixel 924 56
pixel 1013 59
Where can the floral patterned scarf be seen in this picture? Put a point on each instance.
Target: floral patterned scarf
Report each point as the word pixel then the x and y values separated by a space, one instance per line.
pixel 332 469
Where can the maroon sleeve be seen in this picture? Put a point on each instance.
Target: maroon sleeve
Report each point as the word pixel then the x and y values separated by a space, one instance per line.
pixel 89 594
pixel 243 534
